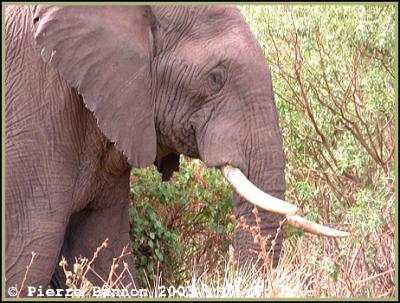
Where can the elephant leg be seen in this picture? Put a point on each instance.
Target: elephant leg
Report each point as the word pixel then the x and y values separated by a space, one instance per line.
pixel 44 238
pixel 86 231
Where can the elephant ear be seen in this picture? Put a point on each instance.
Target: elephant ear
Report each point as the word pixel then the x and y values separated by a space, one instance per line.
pixel 105 53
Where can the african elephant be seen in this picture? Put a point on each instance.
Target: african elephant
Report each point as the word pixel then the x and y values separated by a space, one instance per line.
pixel 92 91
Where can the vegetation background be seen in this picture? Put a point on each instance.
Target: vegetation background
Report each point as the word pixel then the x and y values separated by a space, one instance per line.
pixel 334 74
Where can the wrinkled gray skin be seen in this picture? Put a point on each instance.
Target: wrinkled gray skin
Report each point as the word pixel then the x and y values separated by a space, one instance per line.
pixel 157 82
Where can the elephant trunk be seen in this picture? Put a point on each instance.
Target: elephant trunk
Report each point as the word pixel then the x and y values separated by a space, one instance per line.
pixel 259 234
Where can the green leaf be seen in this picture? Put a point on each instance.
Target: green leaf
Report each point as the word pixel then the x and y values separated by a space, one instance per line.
pixel 159 255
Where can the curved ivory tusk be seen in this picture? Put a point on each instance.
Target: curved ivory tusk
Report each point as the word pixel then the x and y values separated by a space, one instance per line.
pixel 251 193
pixel 314 228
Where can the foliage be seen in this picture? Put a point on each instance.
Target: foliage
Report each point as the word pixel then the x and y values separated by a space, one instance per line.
pixel 333 69
pixel 180 223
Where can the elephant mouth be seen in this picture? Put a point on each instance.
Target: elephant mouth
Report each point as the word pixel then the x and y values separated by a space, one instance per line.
pixel 248 191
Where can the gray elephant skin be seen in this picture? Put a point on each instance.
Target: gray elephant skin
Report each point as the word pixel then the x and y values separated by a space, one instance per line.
pixel 92 91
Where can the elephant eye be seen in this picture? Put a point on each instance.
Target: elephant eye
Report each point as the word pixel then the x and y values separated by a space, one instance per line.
pixel 216 79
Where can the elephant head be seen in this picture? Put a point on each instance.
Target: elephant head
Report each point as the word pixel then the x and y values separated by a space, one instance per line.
pixel 164 81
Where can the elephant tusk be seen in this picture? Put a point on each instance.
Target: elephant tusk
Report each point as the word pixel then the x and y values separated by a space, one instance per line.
pixel 314 228
pixel 254 195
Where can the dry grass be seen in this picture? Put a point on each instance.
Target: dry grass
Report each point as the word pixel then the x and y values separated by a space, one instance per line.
pixel 310 267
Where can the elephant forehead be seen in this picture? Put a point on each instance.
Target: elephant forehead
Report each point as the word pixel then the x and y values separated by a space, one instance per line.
pixel 232 45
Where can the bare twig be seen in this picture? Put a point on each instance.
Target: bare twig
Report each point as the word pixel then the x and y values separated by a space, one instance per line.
pixel 28 268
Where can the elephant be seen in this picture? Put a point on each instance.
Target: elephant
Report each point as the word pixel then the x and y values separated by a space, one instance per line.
pixel 92 91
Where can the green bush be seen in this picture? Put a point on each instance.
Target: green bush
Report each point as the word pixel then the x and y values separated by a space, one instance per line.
pixel 178 224
pixel 333 69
